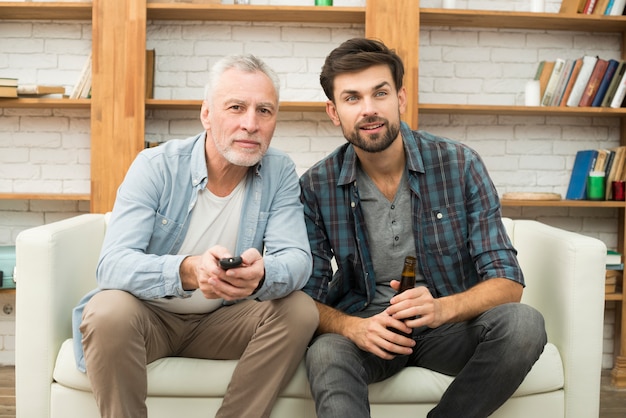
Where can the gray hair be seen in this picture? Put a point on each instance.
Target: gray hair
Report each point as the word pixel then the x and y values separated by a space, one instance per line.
pixel 247 63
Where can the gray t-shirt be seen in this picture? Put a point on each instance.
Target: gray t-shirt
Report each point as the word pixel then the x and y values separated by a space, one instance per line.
pixel 389 228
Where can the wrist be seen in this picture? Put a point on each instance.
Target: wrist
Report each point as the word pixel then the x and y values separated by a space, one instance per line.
pixel 260 285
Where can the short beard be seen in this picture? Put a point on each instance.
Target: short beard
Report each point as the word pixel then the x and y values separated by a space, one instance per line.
pixel 242 159
pixel 375 143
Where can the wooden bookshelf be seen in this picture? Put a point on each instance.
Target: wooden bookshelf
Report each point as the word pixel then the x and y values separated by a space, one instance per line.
pixel 42 102
pixel 45 10
pixel 195 105
pixel 252 13
pixel 45 196
pixel 521 20
pixel 472 109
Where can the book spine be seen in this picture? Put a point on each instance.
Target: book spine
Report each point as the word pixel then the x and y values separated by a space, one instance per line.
pixel 553 82
pixel 594 82
pixel 618 7
pixel 604 84
pixel 572 80
pixel 620 93
pixel 581 81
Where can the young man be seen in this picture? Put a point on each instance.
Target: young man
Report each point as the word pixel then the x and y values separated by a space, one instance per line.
pixel 392 192
pixel 182 207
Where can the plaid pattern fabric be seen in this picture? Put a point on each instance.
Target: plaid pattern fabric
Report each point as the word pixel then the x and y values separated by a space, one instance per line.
pixel 459 236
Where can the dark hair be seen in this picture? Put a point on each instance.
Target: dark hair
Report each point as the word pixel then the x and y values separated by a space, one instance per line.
pixel 358 54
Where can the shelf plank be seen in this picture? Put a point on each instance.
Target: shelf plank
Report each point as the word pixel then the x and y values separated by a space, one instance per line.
pixel 195 105
pixel 45 196
pixel 522 20
pixel 617 297
pixel 251 13
pixel 472 109
pixel 45 10
pixel 41 103
pixel 425 108
pixel 565 203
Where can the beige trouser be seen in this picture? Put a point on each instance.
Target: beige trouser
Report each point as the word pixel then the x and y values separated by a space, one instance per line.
pixel 121 334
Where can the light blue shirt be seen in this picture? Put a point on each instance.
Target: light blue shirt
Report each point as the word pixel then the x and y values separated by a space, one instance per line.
pixel 152 213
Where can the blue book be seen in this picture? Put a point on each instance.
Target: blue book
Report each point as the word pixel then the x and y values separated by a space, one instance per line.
pixel 583 164
pixel 604 84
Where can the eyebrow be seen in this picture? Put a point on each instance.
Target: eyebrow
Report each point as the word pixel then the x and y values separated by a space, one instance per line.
pixel 232 101
pixel 376 87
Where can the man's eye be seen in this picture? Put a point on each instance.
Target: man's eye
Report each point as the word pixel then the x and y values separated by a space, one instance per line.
pixel 381 93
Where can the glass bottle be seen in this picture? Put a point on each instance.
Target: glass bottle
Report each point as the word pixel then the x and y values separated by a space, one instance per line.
pixel 407 280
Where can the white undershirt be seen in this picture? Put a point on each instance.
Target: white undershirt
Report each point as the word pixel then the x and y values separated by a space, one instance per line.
pixel 214 221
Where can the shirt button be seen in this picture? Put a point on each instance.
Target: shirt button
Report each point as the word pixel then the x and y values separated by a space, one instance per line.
pixel 393 207
pixel 439 215
pixel 352 204
pixel 396 238
pixel 164 221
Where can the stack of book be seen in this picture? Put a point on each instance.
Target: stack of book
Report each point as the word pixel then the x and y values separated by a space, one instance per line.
pixel 612 162
pixel 82 88
pixel 39 90
pixel 8 87
pixel 614 269
pixel 588 81
pixel 595 7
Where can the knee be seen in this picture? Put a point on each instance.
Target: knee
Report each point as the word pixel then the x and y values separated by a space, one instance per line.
pixel 301 312
pixel 108 313
pixel 525 329
pixel 330 350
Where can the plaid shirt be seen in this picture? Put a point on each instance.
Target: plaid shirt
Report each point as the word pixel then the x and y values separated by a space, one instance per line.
pixel 459 236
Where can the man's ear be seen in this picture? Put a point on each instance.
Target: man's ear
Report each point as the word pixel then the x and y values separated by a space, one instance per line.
pixel 402 100
pixel 331 111
pixel 204 115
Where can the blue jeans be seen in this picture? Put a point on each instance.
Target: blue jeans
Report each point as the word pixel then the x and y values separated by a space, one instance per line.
pixel 489 355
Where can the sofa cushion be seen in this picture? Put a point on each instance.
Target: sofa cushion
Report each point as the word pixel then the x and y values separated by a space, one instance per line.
pixel 178 377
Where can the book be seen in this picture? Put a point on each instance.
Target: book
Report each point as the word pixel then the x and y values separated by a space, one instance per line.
pixel 608 8
pixel 8 91
pixel 82 81
pixel 620 93
pixel 583 163
pixel 546 72
pixel 8 82
pixel 610 280
pixel 559 65
pixel 604 83
pixel 570 83
pixel 578 89
pixel 610 93
pixel 618 8
pixel 539 70
pixel 149 73
pixel 600 7
pixel 589 6
pixel 572 6
pixel 613 257
pixel 38 90
pixel 594 83
pixel 601 159
pixel 616 170
pixel 562 84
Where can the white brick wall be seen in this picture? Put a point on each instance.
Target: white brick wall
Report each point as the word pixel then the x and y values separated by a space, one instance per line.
pixel 48 149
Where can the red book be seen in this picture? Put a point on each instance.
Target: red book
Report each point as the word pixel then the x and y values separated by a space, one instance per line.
pixel 594 83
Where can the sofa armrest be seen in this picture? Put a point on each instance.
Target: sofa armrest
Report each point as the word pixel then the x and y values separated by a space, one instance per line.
pixel 55 267
pixel 565 274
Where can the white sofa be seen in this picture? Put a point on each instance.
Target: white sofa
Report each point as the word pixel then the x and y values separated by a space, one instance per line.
pixel 56 264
